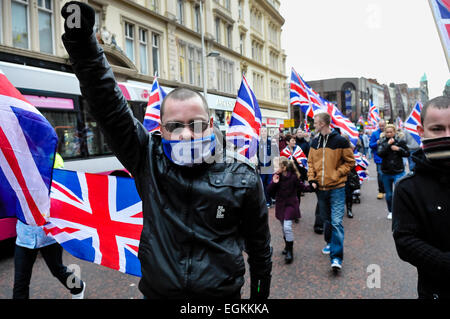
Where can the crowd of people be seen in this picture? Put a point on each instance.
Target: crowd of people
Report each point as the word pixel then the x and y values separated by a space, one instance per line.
pixel 188 251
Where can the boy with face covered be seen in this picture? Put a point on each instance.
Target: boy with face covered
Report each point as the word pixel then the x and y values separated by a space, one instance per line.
pixel 201 206
pixel 421 204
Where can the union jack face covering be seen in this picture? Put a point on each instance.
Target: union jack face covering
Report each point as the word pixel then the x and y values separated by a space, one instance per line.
pixel 190 153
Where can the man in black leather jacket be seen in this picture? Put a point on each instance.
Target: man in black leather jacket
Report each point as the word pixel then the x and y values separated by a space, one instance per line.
pixel 198 216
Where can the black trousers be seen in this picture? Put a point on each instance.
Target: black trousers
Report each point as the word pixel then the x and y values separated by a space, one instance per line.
pixel 24 259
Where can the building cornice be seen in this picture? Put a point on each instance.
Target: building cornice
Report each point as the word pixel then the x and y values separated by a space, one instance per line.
pixel 274 14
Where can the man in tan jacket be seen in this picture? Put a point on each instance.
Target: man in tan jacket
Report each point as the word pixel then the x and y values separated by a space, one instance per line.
pixel 330 160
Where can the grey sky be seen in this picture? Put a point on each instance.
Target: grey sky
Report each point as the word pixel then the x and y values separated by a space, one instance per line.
pixel 389 40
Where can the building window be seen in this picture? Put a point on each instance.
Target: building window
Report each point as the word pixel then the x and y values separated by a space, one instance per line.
pixel 258 84
pixel 143 56
pixel 241 43
pixel 274 61
pixel 180 11
pixel 217 24
pixel 256 20
pixel 191 65
pixel 273 34
pixel 129 41
pixel 229 36
pixel 227 4
pixel 241 10
pixel 197 18
pixel 274 90
pixel 45 16
pixel 154 5
pixel 257 51
pixel 155 53
pixel 182 61
pixel 225 76
pixel 97 23
pixel 198 67
pixel 19 11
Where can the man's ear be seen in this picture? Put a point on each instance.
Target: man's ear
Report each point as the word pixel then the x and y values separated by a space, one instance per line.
pixel 420 130
pixel 211 122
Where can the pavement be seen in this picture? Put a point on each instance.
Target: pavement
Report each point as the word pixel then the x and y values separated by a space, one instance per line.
pixel 371 266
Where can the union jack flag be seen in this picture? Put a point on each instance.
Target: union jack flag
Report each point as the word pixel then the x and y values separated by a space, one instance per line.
pixel 245 122
pixel 361 120
pixel 374 115
pixel 27 151
pixel 152 121
pixel 307 129
pixel 297 154
pixel 342 122
pixel 400 124
pixel 413 121
pixel 303 96
pixel 361 165
pixel 441 14
pixel 97 218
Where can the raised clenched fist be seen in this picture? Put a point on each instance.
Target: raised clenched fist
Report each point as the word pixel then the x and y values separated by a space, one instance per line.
pixel 79 19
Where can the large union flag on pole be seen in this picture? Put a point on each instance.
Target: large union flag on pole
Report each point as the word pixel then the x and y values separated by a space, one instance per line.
pixel 27 150
pixel 97 218
pixel 441 14
pixel 245 122
pixel 152 121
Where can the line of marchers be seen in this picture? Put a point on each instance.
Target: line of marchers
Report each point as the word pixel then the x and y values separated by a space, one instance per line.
pixel 228 308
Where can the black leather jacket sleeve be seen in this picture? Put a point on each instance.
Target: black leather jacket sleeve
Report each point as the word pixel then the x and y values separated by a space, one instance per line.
pixel 126 136
pixel 255 228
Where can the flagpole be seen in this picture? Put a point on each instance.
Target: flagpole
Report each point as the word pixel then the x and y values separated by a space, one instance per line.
pixel 441 36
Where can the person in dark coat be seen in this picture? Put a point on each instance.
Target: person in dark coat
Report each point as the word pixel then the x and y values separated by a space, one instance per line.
pixel 285 183
pixel 421 205
pixel 392 148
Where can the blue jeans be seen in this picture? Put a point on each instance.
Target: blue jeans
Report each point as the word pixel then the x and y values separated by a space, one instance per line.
pixel 380 179
pixel 266 179
pixel 389 182
pixel 332 209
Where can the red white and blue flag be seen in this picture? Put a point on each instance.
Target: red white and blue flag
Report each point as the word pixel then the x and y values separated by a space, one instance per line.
pixel 297 154
pixel 361 165
pixel 374 115
pixel 97 218
pixel 441 13
pixel 413 121
pixel 27 151
pixel 303 96
pixel 400 124
pixel 245 123
pixel 339 120
pixel 152 118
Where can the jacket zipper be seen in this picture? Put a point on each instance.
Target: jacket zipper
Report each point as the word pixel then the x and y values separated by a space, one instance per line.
pixel 189 225
pixel 325 140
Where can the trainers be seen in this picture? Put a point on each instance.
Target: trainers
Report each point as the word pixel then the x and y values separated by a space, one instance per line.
pixel 389 216
pixel 336 264
pixel 380 196
pixel 326 250
pixel 81 294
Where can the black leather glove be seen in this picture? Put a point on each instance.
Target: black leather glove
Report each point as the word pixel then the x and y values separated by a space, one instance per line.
pixel 79 20
pixel 259 288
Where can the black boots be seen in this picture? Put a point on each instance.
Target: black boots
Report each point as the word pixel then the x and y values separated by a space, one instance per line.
pixel 284 252
pixel 349 210
pixel 289 254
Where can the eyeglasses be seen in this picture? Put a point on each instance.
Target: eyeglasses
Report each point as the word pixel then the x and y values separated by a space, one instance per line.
pixel 193 126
